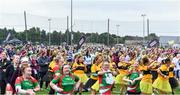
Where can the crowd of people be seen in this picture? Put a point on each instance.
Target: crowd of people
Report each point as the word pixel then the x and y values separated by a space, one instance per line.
pixel 98 70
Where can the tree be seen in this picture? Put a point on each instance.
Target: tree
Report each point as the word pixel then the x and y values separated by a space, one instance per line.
pixel 151 36
pixel 35 34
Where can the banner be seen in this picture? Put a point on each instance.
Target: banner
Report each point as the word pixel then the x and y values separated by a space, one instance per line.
pixel 8 36
pixel 81 42
pixel 153 43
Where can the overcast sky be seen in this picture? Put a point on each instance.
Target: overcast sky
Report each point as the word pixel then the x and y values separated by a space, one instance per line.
pixel 92 15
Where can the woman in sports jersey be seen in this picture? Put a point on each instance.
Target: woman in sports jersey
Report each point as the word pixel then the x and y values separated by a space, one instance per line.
pixel 79 69
pixel 66 83
pixel 133 80
pixel 105 80
pixel 95 68
pixel 172 80
pixel 162 82
pixel 122 68
pixel 26 84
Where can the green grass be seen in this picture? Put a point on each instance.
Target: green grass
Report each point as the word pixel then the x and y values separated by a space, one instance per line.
pixel 115 91
pixel 177 90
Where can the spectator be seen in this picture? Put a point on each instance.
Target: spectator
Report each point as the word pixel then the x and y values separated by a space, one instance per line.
pixel 4 62
pixel 13 71
pixel 43 62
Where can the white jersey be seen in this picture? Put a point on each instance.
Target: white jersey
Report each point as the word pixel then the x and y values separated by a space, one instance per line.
pixel 176 62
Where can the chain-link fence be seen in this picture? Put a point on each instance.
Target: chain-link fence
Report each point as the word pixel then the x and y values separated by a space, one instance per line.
pixel 132 28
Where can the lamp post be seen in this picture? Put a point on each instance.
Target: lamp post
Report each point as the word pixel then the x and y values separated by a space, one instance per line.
pixel 25 24
pixel 108 32
pixel 71 20
pixel 49 20
pixel 117 33
pixel 143 15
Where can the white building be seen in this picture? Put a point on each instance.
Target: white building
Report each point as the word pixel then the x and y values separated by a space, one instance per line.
pixel 169 40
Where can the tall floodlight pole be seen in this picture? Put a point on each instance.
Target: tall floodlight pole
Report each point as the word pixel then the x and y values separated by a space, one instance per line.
pixel 39 36
pixel 91 40
pixel 108 33
pixel 71 20
pixel 25 24
pixel 143 15
pixel 49 20
pixel 117 26
pixel 147 27
pixel 67 30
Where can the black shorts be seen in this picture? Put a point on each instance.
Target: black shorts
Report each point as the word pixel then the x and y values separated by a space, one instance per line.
pixel 133 93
